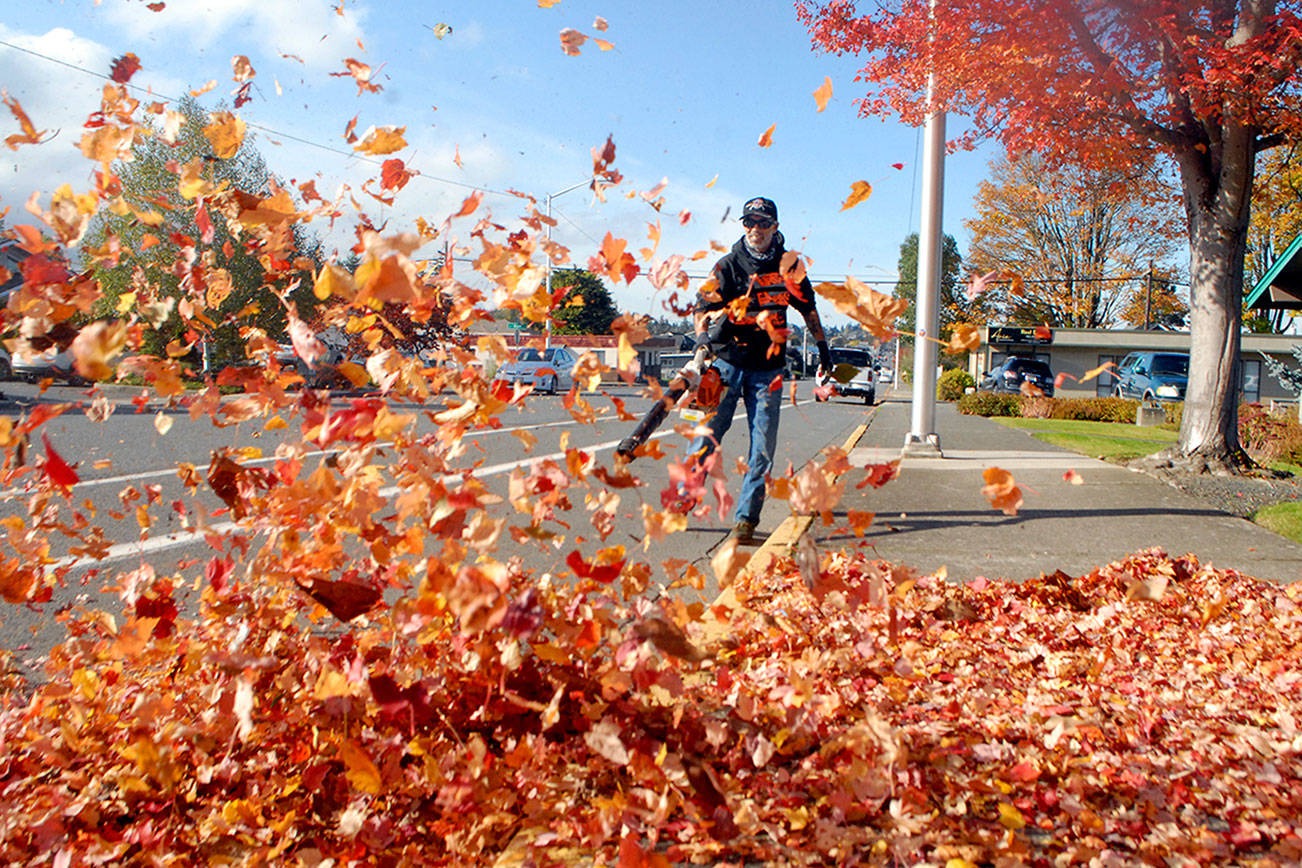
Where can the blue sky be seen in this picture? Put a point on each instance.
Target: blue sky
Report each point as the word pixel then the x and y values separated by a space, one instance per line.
pixel 686 92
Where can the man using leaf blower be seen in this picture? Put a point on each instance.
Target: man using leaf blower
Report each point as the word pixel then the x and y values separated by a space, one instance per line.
pixel 742 318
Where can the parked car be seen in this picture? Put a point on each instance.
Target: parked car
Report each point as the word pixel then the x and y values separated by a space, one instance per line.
pixel 863 384
pixel 1153 376
pixel 6 365
pixel 1013 371
pixel 51 362
pixel 548 370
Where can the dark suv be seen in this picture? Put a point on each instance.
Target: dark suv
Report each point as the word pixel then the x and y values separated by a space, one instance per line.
pixel 1015 370
pixel 1153 376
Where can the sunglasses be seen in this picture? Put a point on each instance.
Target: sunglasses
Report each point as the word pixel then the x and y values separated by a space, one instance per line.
pixel 761 222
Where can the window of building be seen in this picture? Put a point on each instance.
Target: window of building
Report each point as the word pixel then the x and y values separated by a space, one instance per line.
pixel 1251 384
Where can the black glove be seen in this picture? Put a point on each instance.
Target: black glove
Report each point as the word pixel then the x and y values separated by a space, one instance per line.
pixel 824 359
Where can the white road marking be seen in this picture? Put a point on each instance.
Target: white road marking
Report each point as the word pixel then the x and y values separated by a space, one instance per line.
pixel 140 548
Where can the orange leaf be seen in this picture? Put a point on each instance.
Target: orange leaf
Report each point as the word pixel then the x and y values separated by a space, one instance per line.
pixel 361 74
pixel 859 191
pixel 1073 477
pixel 571 39
pixel 225 132
pixel 360 770
pixel 767 139
pixel 824 93
pixel 241 68
pixel 1043 332
pixel 1001 490
pixel 382 140
pixel 394 174
pixel 1094 372
pixel 965 337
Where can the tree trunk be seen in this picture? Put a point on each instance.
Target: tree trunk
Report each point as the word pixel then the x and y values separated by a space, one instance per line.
pixel 1217 184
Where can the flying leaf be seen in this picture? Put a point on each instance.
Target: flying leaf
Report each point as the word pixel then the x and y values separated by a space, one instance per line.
pixel 766 139
pixel 307 346
pixel 29 134
pixel 979 284
pixel 441 30
pixel 599 23
pixel 571 40
pixel 241 68
pixel 95 346
pixel 859 191
pixel 878 475
pixel 225 132
pixel 56 469
pixel 1073 477
pixel 872 309
pixel 124 67
pixel 1094 372
pixel 1043 333
pixel 394 174
pixel 824 93
pixel 964 337
pixel 1000 489
pixel 728 562
pixel 361 73
pixel 382 140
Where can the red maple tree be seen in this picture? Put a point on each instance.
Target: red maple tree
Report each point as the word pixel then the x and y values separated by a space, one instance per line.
pixel 1207 84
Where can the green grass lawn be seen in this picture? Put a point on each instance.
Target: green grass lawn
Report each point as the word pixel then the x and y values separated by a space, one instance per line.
pixel 1284 519
pixel 1112 441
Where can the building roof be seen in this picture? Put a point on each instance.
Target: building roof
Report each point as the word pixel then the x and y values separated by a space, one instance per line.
pixel 1281 285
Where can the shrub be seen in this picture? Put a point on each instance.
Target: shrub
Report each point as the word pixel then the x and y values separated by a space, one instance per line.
pixel 1037 407
pixel 1095 409
pixel 953 384
pixel 990 404
pixel 1268 438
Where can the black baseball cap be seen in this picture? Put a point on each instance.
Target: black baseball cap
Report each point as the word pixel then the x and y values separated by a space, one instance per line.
pixel 760 207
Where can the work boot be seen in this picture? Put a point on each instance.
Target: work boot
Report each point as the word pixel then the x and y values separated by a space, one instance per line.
pixel 744 533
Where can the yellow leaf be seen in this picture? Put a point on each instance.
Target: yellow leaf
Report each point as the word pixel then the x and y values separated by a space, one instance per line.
pixel 1010 817
pixel 162 423
pixel 859 191
pixel 824 93
pixel 225 132
pixel 361 772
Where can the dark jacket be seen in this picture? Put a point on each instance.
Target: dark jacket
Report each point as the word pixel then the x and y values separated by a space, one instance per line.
pixel 743 342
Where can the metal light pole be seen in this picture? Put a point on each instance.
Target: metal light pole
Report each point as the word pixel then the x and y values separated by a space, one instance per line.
pixel 547 340
pixel 922 438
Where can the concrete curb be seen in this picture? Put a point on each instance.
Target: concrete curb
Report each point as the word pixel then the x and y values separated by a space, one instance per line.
pixel 782 540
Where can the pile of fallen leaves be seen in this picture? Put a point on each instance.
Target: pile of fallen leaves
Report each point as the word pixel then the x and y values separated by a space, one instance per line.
pixel 1147 712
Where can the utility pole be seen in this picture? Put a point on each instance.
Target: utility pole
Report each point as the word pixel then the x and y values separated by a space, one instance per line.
pixel 922 438
pixel 1148 296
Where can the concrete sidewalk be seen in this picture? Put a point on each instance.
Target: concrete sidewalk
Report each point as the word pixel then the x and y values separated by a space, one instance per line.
pixel 934 514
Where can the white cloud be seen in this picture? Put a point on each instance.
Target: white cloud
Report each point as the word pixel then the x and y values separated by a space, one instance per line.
pixel 309 29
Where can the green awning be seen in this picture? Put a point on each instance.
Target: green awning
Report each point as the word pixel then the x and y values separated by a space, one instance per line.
pixel 1281 286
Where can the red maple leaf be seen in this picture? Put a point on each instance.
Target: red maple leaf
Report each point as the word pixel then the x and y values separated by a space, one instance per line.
pixel 124 67
pixel 56 469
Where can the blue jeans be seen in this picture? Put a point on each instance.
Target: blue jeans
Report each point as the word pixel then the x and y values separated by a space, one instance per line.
pixel 763 406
